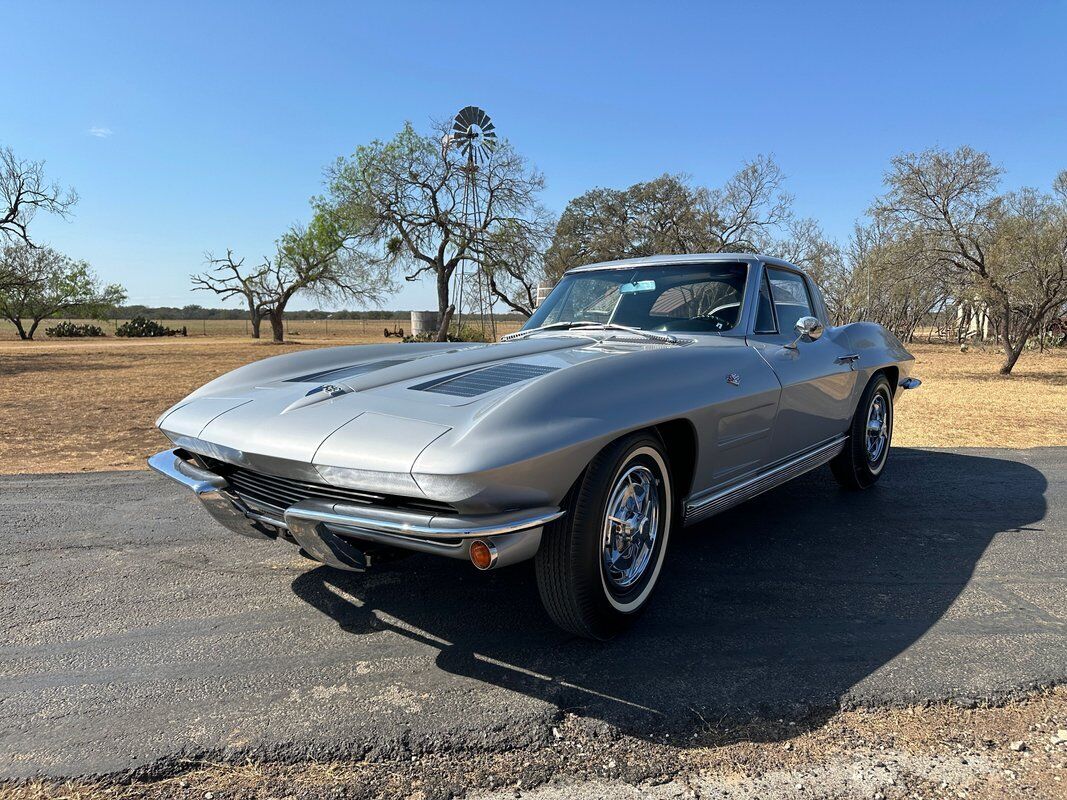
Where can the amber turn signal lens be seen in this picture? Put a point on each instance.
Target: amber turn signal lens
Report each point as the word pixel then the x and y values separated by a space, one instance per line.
pixel 482 555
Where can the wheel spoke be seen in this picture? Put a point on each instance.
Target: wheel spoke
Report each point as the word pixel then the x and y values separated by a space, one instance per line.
pixel 877 429
pixel 630 526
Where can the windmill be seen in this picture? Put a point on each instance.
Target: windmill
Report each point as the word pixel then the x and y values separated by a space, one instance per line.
pixel 473 135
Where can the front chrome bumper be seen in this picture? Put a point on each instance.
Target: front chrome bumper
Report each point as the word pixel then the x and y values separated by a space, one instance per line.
pixel 331 531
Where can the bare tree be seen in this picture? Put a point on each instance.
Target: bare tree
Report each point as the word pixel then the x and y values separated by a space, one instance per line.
pixel 890 279
pixel 48 283
pixel 228 278
pixel 24 191
pixel 805 245
pixel 745 213
pixel 402 202
pixel 1030 257
pixel 1005 249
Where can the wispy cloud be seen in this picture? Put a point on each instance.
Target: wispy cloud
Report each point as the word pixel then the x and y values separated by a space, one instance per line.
pixel 98 132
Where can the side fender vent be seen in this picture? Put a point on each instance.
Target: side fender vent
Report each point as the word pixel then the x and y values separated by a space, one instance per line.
pixel 480 381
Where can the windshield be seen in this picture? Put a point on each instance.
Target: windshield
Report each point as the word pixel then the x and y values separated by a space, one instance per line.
pixel 698 298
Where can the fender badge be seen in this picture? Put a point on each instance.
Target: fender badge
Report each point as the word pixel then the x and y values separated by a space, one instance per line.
pixel 733 379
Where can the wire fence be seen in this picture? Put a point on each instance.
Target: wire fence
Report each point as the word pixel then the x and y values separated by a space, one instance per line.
pixel 340 329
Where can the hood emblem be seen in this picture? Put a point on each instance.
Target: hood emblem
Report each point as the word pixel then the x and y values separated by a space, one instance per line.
pixel 330 389
pixel 733 379
pixel 326 391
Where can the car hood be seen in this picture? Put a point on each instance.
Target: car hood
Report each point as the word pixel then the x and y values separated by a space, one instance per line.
pixel 359 414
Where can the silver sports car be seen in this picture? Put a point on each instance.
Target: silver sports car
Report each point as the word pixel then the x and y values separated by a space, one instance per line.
pixel 641 396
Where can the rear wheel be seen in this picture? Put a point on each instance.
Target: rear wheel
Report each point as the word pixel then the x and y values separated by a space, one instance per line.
pixel 862 461
pixel 598 564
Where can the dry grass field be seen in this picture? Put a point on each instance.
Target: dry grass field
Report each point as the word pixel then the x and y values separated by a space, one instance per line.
pixel 74 405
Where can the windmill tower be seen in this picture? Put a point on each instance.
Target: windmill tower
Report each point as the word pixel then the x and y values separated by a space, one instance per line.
pixel 473 135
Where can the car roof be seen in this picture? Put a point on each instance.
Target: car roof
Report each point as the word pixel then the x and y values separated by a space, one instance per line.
pixel 690 258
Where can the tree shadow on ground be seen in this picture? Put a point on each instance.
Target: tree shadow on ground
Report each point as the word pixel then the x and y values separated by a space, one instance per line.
pixel 778 607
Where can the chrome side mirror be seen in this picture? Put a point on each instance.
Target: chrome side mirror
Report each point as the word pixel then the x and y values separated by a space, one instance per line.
pixel 808 329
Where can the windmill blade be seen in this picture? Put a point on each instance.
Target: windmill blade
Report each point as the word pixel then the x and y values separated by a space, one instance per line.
pixel 474 134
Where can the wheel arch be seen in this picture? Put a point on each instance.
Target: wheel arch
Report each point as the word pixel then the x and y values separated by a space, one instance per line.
pixel 892 374
pixel 679 437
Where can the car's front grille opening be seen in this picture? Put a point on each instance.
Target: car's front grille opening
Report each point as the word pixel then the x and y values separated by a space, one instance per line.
pixel 280 493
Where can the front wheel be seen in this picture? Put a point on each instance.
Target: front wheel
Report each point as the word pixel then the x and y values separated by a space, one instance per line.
pixel 598 564
pixel 861 463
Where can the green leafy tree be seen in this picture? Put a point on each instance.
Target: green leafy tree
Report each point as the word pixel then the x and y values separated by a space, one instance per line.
pixel 402 204
pixel 318 260
pixel 670 215
pixel 48 284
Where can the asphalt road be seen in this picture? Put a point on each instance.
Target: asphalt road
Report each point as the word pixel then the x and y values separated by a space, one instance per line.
pixel 135 631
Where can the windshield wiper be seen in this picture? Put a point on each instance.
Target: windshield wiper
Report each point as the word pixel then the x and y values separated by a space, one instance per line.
pixel 589 325
pixel 614 326
pixel 553 326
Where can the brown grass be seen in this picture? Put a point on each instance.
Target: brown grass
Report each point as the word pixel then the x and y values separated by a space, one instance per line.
pixel 72 405
pixel 963 402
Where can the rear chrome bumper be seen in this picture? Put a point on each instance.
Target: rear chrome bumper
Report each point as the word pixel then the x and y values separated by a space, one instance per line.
pixel 324 529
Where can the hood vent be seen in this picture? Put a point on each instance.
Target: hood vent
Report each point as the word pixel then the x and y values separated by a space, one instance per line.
pixel 480 381
pixel 338 373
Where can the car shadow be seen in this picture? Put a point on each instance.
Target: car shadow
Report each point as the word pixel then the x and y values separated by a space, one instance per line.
pixel 778 607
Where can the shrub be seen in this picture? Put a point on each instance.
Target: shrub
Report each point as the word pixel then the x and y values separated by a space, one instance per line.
pixel 67 329
pixel 140 327
pixel 462 333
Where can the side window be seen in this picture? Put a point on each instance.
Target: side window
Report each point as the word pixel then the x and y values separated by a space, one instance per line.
pixel 764 310
pixel 791 298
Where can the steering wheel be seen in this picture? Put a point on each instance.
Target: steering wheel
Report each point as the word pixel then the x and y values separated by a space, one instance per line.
pixel 712 323
pixel 720 322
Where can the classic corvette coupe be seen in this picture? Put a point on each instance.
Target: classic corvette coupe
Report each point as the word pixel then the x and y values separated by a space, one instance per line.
pixel 642 395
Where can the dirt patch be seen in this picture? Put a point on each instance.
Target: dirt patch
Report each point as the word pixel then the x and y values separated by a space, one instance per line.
pixel 1015 751
pixel 90 405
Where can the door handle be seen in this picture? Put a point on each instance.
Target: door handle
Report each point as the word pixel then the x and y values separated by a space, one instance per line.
pixel 850 359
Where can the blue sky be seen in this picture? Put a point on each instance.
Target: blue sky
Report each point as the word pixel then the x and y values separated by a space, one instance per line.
pixel 189 127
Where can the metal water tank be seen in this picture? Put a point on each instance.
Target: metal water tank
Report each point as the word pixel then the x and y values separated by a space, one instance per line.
pixel 423 322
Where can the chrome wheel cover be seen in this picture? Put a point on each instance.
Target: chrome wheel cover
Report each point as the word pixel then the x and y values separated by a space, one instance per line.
pixel 879 421
pixel 631 527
